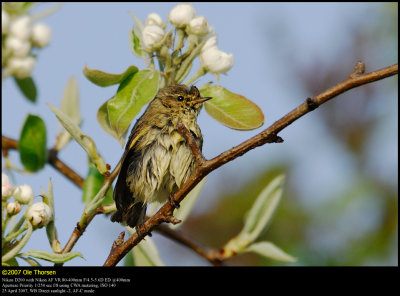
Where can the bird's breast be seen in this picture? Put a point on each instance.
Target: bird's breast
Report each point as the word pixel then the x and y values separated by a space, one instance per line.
pixel 161 166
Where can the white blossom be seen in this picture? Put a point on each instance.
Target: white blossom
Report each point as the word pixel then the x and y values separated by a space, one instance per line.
pixel 6 188
pixel 199 26
pixel 39 214
pixel 211 42
pixel 182 14
pixel 23 194
pixel 216 61
pixel 13 208
pixel 21 67
pixel 154 19
pixel 151 36
pixel 5 22
pixel 41 35
pixel 21 27
pixel 20 48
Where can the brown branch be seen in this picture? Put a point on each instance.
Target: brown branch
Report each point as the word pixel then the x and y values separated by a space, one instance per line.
pixel 180 238
pixel 11 144
pixel 268 135
pixel 117 242
pixel 192 144
pixel 204 167
pixel 83 223
pixel 64 169
pixel 79 230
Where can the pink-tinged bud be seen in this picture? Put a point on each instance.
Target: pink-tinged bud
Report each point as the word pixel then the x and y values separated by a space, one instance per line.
pixel 6 188
pixel 13 208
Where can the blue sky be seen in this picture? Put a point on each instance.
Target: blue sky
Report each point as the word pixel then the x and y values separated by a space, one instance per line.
pixel 259 35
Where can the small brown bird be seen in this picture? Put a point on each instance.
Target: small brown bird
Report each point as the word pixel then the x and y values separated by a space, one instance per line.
pixel 157 159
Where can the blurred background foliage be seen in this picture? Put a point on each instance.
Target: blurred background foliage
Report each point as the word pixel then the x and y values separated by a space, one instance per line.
pixel 340 202
pixel 354 226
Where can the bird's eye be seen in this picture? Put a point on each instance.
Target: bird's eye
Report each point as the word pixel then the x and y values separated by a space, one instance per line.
pixel 180 98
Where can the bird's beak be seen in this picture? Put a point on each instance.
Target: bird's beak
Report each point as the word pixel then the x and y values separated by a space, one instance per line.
pixel 202 100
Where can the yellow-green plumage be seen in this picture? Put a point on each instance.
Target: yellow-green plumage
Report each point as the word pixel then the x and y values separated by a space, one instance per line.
pixel 157 159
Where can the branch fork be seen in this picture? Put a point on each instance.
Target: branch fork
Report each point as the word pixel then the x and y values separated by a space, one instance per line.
pixel 269 135
pixel 204 167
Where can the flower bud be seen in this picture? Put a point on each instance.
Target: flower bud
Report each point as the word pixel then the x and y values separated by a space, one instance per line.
pixel 154 19
pixel 13 208
pixel 41 35
pixel 23 194
pixel 20 48
pixel 5 22
pixel 21 67
pixel 199 26
pixel 21 27
pixel 151 36
pixel 6 188
pixel 216 61
pixel 182 14
pixel 211 42
pixel 39 214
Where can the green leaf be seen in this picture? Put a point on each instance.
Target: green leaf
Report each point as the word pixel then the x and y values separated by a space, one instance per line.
pixel 17 8
pixel 30 261
pixel 26 6
pixel 257 218
pixel 32 143
pixel 103 79
pixel 85 141
pixel 52 236
pixel 48 197
pixel 52 257
pixel 133 93
pixel 102 118
pixel 27 87
pixel 70 101
pixel 51 229
pixel 11 262
pixel 70 106
pixel 233 110
pixel 263 208
pixel 93 183
pixel 269 250
pixel 135 35
pixel 134 43
pixel 21 243
pixel 146 254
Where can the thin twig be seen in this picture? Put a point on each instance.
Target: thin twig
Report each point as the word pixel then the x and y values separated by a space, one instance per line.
pixel 83 224
pixel 179 237
pixel 268 135
pixel 165 214
pixel 11 144
pixel 192 144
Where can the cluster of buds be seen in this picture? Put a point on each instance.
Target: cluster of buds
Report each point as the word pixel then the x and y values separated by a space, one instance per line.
pixel 19 36
pixel 39 214
pixel 201 37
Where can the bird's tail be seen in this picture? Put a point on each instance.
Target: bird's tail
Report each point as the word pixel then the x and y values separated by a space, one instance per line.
pixel 129 210
pixel 133 216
